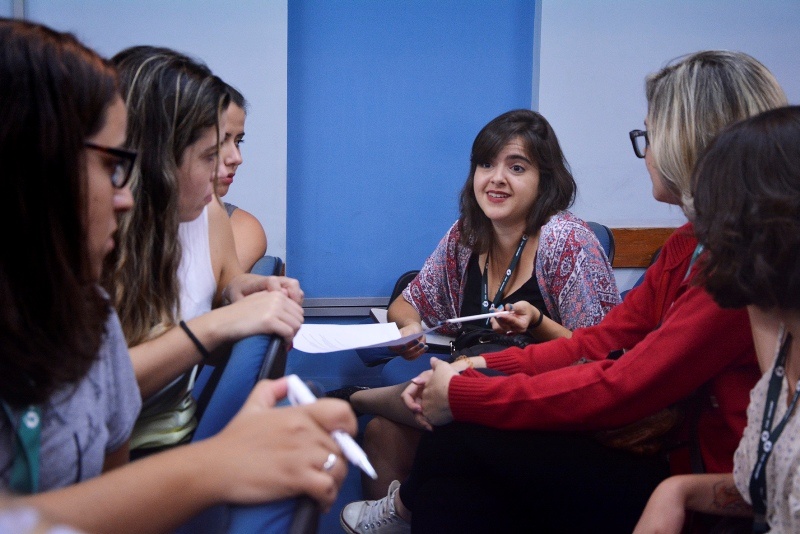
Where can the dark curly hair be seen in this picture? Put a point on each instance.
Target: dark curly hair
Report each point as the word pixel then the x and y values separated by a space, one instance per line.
pixel 747 199
pixel 557 187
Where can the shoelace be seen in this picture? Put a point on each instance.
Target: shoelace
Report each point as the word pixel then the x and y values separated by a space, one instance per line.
pixel 379 512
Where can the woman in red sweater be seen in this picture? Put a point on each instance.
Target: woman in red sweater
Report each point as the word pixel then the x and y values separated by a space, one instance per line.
pixel 748 218
pixel 520 449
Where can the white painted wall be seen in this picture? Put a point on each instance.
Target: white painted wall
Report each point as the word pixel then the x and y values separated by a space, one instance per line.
pixel 243 42
pixel 594 58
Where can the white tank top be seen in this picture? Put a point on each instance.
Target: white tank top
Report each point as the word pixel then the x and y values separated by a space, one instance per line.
pixel 195 274
pixel 168 416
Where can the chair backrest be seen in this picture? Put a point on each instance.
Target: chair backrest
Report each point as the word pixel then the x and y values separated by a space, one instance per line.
pixel 605 237
pixel 641 278
pixel 251 359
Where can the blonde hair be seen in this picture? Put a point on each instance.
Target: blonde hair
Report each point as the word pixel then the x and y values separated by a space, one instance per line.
pixel 692 99
pixel 171 101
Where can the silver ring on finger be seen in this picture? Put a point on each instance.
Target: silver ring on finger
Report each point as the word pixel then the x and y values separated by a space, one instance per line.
pixel 330 462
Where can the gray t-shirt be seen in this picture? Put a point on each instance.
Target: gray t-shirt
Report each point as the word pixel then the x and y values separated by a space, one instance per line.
pixel 83 422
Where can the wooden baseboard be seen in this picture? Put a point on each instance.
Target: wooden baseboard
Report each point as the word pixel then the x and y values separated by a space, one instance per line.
pixel 635 247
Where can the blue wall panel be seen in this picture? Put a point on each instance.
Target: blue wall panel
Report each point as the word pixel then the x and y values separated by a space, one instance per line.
pixel 384 100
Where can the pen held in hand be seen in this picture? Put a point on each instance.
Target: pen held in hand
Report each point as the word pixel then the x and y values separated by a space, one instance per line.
pixel 300 394
pixel 474 317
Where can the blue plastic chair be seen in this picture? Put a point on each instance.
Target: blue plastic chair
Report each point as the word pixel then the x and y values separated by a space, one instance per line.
pixel 251 359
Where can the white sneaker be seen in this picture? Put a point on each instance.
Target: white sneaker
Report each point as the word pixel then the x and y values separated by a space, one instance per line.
pixel 378 517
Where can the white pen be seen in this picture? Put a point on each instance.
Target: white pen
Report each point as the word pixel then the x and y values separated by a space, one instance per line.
pixel 300 394
pixel 475 317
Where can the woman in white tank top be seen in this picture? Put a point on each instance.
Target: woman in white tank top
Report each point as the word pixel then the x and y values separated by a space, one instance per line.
pixel 176 265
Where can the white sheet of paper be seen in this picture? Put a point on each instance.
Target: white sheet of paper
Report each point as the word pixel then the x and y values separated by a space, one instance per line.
pixel 318 338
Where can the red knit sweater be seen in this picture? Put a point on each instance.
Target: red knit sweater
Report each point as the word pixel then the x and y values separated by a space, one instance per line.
pixel 697 344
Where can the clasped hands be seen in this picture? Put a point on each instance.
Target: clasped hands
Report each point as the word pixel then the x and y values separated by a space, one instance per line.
pixel 427 394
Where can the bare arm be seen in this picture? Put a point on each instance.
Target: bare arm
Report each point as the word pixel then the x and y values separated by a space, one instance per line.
pixel 117 458
pixel 264 454
pixel 160 360
pixel 710 493
pixel 249 237
pixel 403 313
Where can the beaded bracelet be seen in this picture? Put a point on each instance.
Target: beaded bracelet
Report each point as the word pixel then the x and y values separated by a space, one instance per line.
pixel 200 347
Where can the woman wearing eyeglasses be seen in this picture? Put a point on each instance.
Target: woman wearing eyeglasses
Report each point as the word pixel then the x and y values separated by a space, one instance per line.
pixel 68 390
pixel 176 263
pixel 524 449
pixel 747 198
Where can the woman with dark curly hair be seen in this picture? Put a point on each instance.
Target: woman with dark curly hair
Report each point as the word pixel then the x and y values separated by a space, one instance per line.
pixel 515 245
pixel 747 203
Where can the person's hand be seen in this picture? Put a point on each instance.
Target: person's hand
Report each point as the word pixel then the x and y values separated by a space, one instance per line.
pixel 427 395
pixel 247 283
pixel 263 312
pixel 517 322
pixel 414 348
pixel 665 511
pixel 265 453
pixel 412 397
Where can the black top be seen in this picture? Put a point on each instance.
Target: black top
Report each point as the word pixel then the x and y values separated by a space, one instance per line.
pixel 529 291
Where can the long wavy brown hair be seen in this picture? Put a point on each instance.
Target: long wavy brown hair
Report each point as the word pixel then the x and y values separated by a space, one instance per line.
pixel 171 100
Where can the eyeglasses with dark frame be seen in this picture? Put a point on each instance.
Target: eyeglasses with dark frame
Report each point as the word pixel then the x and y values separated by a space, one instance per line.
pixel 123 166
pixel 640 142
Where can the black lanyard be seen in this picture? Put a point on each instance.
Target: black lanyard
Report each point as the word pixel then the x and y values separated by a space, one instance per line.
pixel 758 480
pixel 25 468
pixel 504 283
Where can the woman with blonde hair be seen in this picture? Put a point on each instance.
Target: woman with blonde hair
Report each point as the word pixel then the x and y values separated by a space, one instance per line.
pixel 532 448
pixel 176 264
pixel 747 199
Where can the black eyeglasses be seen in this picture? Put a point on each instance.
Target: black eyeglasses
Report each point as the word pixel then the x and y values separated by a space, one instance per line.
pixel 123 165
pixel 640 142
